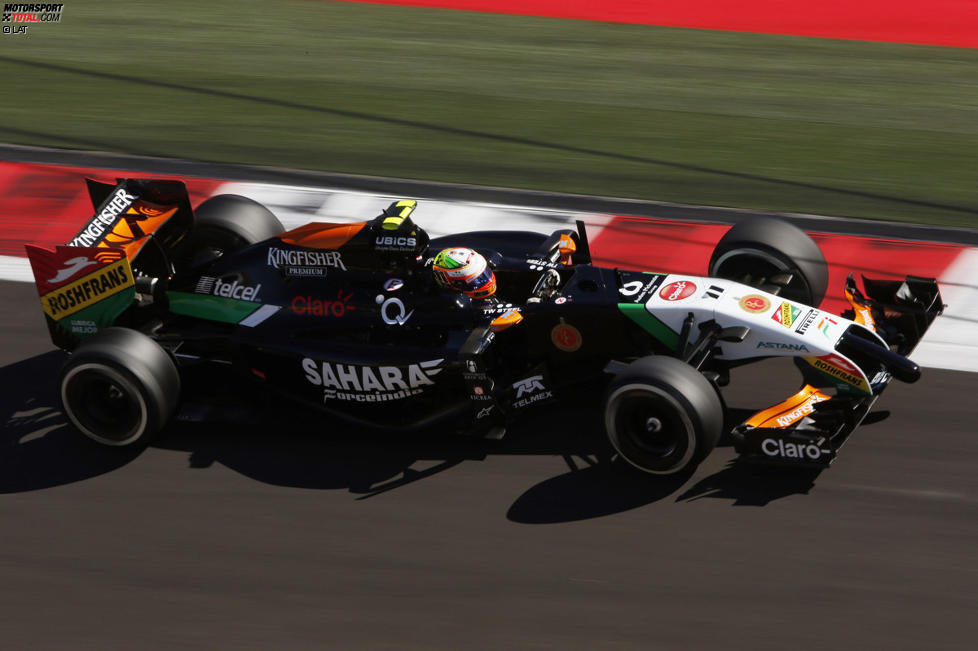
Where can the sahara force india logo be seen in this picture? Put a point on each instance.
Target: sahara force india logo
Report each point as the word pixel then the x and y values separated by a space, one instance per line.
pixel 355 383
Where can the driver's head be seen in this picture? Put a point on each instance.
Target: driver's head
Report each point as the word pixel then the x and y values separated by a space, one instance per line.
pixel 464 270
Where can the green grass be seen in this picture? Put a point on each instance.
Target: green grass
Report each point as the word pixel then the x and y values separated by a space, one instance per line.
pixel 769 122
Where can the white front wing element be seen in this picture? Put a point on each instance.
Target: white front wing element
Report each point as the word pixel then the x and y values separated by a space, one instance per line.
pixel 777 326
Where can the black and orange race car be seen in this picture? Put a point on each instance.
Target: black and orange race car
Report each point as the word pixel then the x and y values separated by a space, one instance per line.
pixel 348 318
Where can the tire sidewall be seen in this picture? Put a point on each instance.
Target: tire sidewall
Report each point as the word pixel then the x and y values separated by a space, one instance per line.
pixel 778 242
pixel 133 387
pixel 692 399
pixel 147 371
pixel 627 449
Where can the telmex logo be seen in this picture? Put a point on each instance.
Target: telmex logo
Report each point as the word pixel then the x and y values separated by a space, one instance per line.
pixel 778 448
pixel 370 383
pixel 89 289
pixel 531 384
pixel 96 228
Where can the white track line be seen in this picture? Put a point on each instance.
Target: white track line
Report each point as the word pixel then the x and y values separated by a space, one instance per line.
pixel 952 340
pixel 950 343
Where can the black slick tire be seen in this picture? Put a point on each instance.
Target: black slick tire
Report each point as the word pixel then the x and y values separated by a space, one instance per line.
pixel 662 416
pixel 119 388
pixel 230 222
pixel 754 250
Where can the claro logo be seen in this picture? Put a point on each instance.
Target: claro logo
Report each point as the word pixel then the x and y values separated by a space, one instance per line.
pixel 779 448
pixel 314 306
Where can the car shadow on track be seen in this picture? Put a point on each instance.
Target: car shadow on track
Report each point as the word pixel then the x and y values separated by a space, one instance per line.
pixel 37 448
pixel 304 449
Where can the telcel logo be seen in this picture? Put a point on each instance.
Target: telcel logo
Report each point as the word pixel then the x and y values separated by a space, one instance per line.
pixel 779 448
pixel 236 290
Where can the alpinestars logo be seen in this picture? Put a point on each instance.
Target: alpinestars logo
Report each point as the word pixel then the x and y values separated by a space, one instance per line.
pixel 92 234
pixel 354 383
pixel 533 388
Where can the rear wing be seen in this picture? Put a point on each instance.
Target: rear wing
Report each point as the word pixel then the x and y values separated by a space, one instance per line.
pixel 135 212
pixel 88 284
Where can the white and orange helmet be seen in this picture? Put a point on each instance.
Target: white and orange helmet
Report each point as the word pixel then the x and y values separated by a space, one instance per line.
pixel 464 270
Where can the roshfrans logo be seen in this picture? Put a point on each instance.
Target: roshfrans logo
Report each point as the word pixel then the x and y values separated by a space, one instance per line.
pixel 786 314
pixel 93 233
pixel 840 369
pixel 88 289
pixel 351 382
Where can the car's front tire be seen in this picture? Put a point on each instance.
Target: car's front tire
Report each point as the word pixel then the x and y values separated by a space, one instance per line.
pixel 662 415
pixel 753 251
pixel 119 387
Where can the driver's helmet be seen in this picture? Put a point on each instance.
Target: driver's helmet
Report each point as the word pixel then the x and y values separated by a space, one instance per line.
pixel 464 270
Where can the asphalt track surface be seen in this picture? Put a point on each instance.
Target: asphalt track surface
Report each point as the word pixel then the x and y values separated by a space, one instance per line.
pixel 289 532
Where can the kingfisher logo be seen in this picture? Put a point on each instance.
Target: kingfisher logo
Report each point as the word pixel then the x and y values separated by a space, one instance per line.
pixel 95 231
pixel 304 263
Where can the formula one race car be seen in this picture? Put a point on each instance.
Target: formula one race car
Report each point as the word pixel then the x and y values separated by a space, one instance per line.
pixel 352 318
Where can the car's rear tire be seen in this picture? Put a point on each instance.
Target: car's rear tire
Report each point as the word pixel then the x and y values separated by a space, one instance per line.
pixel 119 387
pixel 662 415
pixel 753 251
pixel 223 224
